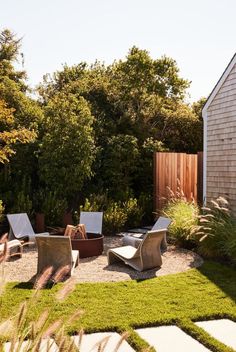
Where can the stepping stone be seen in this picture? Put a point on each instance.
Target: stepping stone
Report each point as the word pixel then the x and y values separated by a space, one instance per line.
pixel 223 330
pixel 90 341
pixel 47 345
pixel 170 338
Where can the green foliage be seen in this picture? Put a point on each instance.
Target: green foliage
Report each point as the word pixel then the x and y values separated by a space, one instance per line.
pixel 117 215
pixel 217 231
pixel 114 218
pixel 118 169
pixel 184 216
pixel 67 149
pixel 2 208
pixel 54 208
pixel 134 213
pixel 22 203
pixel 138 108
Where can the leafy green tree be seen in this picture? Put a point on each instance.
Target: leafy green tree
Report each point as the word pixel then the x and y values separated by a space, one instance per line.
pixel 10 136
pixel 21 126
pixel 119 165
pixel 67 149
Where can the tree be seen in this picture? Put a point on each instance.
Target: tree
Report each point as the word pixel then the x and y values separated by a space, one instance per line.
pixel 119 165
pixel 67 149
pixel 10 136
pixel 21 116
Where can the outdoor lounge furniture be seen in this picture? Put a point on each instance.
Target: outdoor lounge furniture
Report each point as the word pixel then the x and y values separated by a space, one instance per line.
pixel 134 239
pixel 146 256
pixel 14 248
pixel 55 252
pixel 93 245
pixel 92 221
pixel 20 227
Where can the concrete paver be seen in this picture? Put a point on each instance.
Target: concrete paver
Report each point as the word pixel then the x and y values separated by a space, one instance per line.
pixel 223 330
pixel 47 345
pixel 170 338
pixel 90 341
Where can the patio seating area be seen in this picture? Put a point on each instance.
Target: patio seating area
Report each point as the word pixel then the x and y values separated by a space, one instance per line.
pixel 96 269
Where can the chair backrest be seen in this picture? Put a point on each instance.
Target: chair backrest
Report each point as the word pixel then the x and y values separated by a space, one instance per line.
pixel 20 225
pixel 149 248
pixel 53 251
pixel 161 223
pixel 92 221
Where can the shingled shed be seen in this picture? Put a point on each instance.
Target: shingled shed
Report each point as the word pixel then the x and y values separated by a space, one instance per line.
pixel 219 114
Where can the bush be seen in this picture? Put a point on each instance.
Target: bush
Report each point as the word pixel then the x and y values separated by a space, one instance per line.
pixel 114 219
pixel 22 204
pixel 217 231
pixel 53 207
pixel 184 215
pixel 117 215
pixel 133 212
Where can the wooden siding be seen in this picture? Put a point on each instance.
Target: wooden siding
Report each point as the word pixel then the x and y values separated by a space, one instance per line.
pixel 221 143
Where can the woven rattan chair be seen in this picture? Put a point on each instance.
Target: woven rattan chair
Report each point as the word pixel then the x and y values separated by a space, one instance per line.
pixel 146 256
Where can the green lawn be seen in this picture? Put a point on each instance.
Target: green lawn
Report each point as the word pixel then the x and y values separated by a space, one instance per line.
pixel 206 293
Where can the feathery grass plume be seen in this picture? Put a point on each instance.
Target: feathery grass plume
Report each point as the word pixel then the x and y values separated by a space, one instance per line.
pixel 124 336
pixel 61 274
pixel 101 345
pixel 52 329
pixel 184 215
pixel 41 321
pixel 4 252
pixel 81 334
pixel 43 279
pixel 21 315
pixel 67 288
pixel 217 233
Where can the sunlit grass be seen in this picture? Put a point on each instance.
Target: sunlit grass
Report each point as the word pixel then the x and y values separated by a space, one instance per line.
pixel 207 293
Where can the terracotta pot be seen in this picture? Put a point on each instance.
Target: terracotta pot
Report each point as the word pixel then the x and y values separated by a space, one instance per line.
pixel 39 222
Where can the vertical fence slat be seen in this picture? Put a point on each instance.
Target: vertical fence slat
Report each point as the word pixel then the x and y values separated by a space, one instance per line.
pixel 176 170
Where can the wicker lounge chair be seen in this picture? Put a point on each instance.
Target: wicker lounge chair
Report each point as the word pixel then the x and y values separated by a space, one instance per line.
pixel 20 227
pixel 146 256
pixel 134 239
pixel 55 252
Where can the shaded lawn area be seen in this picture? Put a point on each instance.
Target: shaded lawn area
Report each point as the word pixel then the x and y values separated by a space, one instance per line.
pixel 206 293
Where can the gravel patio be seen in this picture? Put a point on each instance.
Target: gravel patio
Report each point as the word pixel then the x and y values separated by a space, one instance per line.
pixel 95 269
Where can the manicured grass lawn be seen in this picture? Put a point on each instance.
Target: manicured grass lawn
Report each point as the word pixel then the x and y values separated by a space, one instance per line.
pixel 206 293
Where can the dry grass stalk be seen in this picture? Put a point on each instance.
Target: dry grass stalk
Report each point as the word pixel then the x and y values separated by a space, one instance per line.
pixel 66 290
pixel 101 345
pixel 4 253
pixel 124 336
pixel 61 274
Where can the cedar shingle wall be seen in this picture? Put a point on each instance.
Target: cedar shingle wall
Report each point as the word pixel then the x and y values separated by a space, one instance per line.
pixel 221 142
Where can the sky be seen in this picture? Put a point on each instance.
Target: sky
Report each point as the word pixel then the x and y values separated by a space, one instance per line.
pixel 199 34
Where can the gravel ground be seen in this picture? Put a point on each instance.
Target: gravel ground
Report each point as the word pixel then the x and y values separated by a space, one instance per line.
pixel 95 269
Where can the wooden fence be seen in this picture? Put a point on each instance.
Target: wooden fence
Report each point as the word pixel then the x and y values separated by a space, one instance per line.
pixel 177 171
